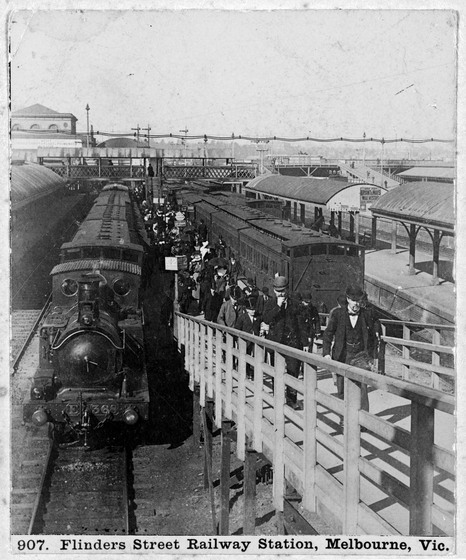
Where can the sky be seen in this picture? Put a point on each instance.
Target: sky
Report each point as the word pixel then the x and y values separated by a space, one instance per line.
pixel 290 73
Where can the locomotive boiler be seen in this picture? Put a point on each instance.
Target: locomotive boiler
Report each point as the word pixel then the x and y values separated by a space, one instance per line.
pixel 91 363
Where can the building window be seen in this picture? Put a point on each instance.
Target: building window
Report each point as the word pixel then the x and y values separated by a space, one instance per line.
pixel 65 125
pixel 35 127
pixel 53 127
pixel 15 127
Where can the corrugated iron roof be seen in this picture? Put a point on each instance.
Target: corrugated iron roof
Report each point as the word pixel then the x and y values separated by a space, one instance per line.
pixel 430 172
pixel 305 189
pixel 31 181
pixel 424 202
pixel 97 264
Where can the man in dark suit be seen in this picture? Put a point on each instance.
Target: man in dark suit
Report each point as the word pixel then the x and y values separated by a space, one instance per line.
pixel 281 315
pixel 353 332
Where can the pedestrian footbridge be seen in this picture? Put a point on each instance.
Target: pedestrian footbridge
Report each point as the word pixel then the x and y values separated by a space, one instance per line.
pixel 390 471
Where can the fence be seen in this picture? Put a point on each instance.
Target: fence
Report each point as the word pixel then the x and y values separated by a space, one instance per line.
pixel 425 353
pixel 388 480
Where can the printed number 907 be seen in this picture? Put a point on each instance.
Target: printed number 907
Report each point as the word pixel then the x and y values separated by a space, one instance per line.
pixel 30 544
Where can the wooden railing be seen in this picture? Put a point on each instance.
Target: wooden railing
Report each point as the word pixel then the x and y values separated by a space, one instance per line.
pixel 389 480
pixel 425 353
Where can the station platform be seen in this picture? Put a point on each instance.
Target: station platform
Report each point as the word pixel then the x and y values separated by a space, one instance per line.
pixel 409 297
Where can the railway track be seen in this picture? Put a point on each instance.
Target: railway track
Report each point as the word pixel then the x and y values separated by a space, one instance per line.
pixel 60 489
pixel 71 490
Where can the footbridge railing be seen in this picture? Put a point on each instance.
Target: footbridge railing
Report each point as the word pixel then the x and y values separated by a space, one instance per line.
pixel 386 472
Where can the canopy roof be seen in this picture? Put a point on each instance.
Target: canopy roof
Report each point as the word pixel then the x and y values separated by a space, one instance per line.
pixel 31 181
pixel 304 189
pixel 424 203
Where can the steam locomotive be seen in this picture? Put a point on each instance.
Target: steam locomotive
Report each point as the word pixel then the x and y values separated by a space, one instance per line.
pixel 91 347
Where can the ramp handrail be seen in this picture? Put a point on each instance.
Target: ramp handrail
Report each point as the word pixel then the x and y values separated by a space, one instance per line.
pixel 332 471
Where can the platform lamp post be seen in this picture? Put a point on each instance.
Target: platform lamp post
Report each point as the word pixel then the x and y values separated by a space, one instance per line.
pixel 87 136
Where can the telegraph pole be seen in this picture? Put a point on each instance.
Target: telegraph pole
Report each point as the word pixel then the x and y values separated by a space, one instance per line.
pixel 137 129
pixel 87 137
pixel 148 131
pixel 183 141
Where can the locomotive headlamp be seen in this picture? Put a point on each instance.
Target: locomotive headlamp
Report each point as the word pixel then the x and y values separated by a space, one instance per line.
pixel 130 416
pixel 39 417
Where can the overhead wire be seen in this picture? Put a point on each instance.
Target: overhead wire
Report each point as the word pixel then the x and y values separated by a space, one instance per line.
pixel 257 139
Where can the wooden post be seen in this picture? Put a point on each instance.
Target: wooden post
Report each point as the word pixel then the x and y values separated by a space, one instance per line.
pixel 356 227
pixel 259 355
pixel 351 224
pixel 225 478
pixel 196 417
pixel 421 484
pixel 374 233
pixel 412 248
pixel 405 353
pixel 351 445
pixel 394 233
pixel 208 470
pixel 206 415
pixel 249 492
pixel 310 439
pixel 436 256
pixel 436 359
pixel 218 377
pixel 339 223
pixel 279 439
pixel 241 402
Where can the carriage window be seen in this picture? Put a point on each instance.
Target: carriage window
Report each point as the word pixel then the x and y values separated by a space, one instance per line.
pixel 72 254
pixel 337 250
pixel 91 252
pixel 111 253
pixel 301 251
pixel 319 250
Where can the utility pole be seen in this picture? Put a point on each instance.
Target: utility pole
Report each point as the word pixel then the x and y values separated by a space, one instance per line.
pixel 137 129
pixel 148 136
pixel 87 137
pixel 364 150
pixel 381 163
pixel 183 141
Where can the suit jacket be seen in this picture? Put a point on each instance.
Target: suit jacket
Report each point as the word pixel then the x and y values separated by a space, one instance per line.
pixel 284 324
pixel 227 314
pixel 336 332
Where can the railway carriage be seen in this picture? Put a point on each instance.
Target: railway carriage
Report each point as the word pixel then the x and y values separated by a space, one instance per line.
pixel 266 246
pixel 92 364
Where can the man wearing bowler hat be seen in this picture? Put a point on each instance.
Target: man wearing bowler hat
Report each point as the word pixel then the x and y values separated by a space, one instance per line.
pixel 353 332
pixel 282 320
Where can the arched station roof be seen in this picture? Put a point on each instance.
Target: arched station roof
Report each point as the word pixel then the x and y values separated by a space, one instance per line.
pixel 31 181
pixel 423 203
pixel 304 189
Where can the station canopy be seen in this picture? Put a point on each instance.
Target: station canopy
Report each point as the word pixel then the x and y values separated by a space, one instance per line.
pixel 335 194
pixel 30 182
pixel 424 203
pixel 431 173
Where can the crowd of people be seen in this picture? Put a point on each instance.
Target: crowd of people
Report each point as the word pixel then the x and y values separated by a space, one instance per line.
pixel 214 287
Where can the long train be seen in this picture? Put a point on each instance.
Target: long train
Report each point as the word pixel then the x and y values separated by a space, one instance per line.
pixel 91 347
pixel 266 246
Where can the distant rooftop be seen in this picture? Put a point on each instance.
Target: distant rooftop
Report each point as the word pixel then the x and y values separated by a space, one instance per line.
pixel 38 110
